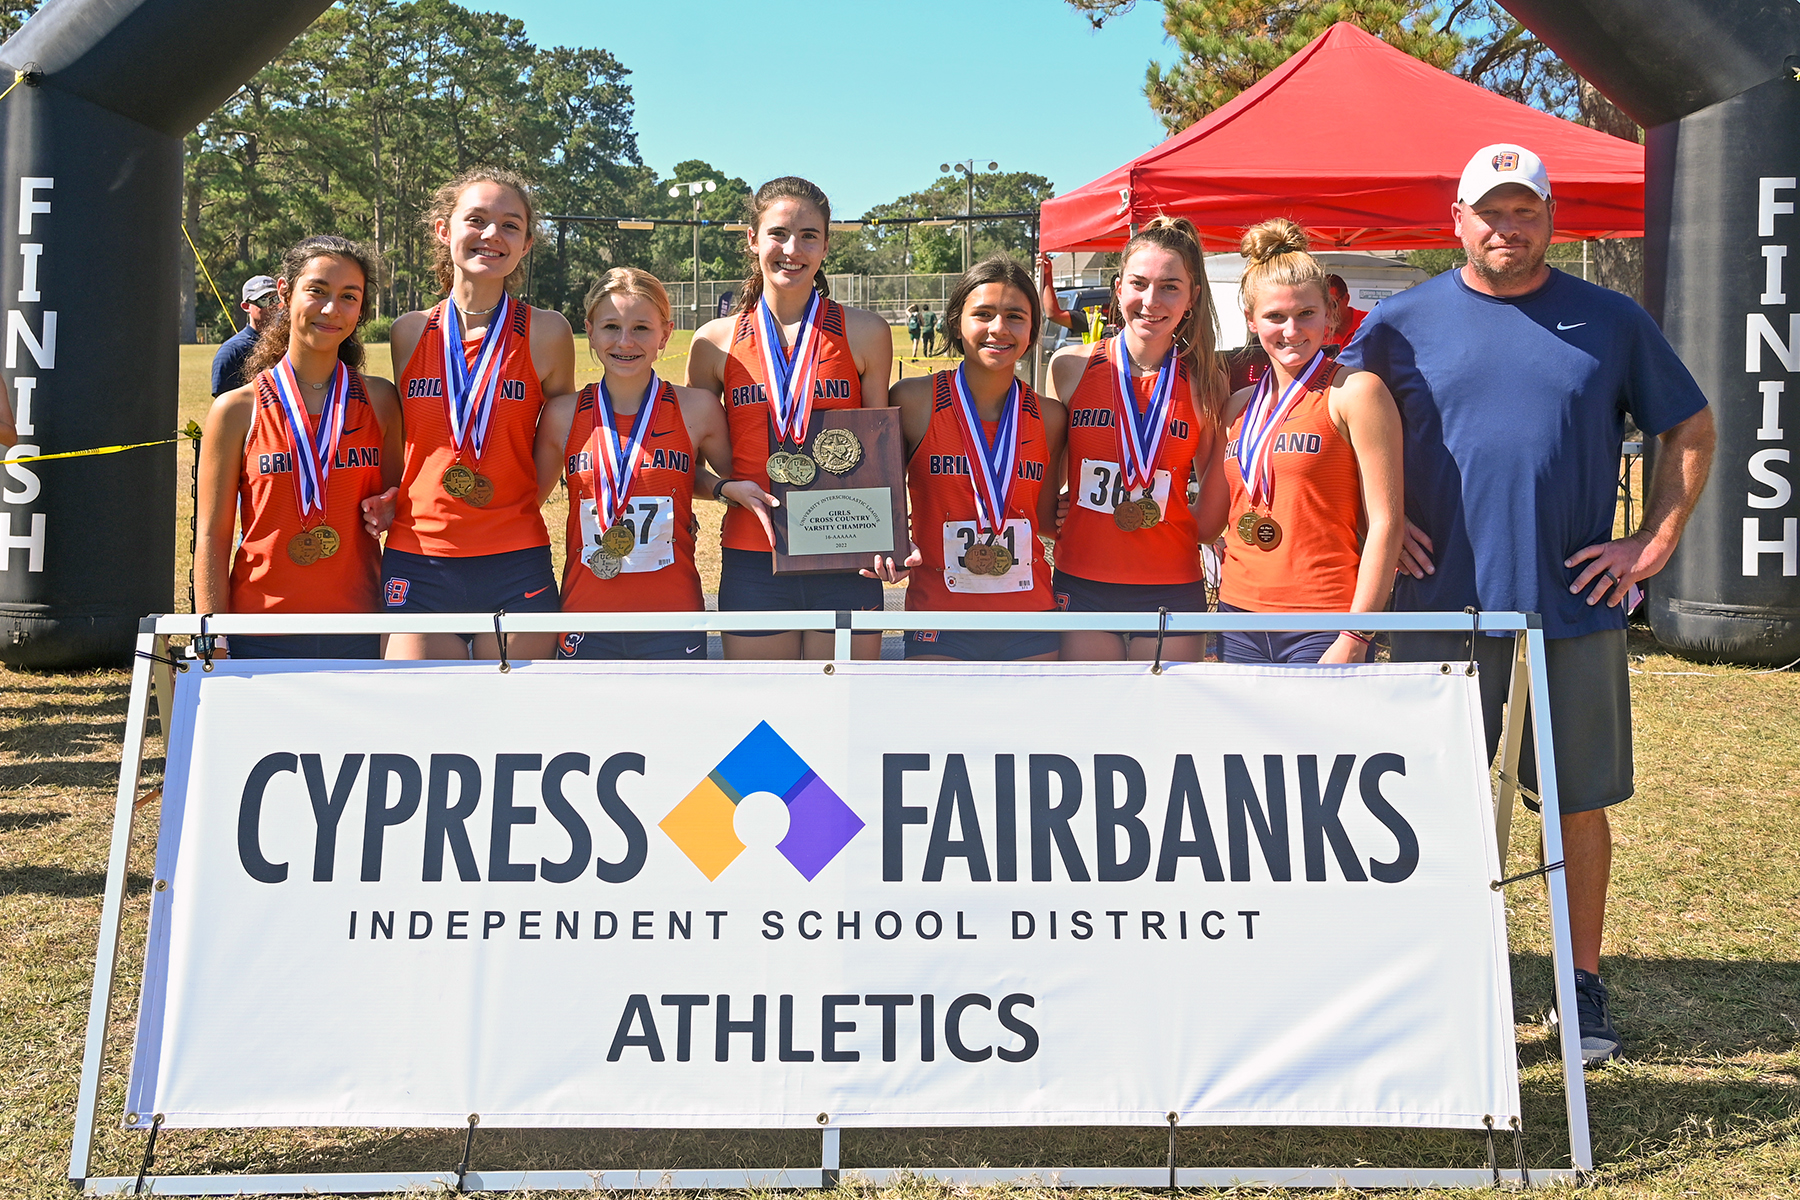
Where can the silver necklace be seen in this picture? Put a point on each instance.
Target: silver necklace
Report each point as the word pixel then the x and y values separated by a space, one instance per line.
pixel 469 312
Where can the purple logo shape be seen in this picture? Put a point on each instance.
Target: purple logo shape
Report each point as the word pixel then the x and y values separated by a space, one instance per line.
pixel 820 824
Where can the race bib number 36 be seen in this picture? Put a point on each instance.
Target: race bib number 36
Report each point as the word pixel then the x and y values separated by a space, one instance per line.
pixel 959 536
pixel 1103 487
pixel 651 520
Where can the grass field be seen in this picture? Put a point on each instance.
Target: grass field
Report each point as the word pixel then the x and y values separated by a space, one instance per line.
pixel 1703 958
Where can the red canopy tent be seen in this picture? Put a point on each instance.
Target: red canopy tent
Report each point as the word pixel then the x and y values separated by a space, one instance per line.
pixel 1359 143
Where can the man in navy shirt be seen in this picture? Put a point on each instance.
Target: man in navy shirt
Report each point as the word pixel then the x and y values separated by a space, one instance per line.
pixel 259 304
pixel 1513 382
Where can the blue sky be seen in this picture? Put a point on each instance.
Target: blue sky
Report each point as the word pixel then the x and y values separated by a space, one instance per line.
pixel 891 89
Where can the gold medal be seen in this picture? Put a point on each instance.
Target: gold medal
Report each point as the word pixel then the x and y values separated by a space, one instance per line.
pixel 1152 512
pixel 606 566
pixel 617 541
pixel 1003 560
pixel 1128 516
pixel 777 467
pixel 801 470
pixel 837 450
pixel 458 480
pixel 303 548
pixel 979 559
pixel 481 492
pixel 329 541
pixel 1267 533
pixel 1246 528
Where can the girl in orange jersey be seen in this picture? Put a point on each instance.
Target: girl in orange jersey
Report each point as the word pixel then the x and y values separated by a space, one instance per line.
pixel 474 370
pixel 787 350
pixel 307 455
pixel 1145 411
pixel 984 453
pixel 1313 458
pixel 630 446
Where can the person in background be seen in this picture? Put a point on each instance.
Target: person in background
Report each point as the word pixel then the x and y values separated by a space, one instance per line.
pixel 928 329
pixel 912 327
pixel 259 304
pixel 1514 381
pixel 1074 320
pixel 1349 320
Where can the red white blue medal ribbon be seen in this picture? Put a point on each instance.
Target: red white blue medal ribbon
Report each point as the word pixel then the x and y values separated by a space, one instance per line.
pixel 991 466
pixel 788 380
pixel 312 458
pixel 1141 437
pixel 469 390
pixel 616 466
pixel 1262 417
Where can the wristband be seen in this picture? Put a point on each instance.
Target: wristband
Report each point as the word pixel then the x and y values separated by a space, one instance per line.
pixel 718 491
pixel 1359 637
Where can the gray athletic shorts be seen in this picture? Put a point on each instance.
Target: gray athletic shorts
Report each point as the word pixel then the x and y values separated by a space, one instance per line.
pixel 1590 708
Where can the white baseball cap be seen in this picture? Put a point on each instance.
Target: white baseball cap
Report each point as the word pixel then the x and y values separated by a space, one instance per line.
pixel 1501 163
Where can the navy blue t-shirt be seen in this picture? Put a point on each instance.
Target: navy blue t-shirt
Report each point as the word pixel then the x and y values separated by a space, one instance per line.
pixel 228 363
pixel 1513 410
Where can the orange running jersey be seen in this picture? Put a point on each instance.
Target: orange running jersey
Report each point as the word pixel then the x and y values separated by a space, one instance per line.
pixel 430 521
pixel 837 385
pixel 943 514
pixel 659 574
pixel 1090 545
pixel 263 577
pixel 1318 504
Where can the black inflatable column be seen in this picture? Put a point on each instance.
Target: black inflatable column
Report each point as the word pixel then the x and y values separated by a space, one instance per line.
pixel 90 181
pixel 1713 82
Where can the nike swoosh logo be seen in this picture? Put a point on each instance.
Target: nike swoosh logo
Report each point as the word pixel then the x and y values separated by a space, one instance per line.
pixel 692 649
pixel 662 433
pixel 539 592
pixel 1576 325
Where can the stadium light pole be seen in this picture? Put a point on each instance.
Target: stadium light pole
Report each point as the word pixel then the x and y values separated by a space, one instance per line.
pixel 967 170
pixel 696 189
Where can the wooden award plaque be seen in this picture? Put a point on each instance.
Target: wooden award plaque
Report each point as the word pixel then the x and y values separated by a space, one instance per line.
pixel 839 522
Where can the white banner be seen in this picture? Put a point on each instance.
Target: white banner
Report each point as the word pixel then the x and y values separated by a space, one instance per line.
pixel 761 894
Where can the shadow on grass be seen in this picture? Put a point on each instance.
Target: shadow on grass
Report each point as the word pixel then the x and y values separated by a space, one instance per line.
pixel 1681 1018
pixel 59 774
pixel 10 821
pixel 60 881
pixel 1669 1010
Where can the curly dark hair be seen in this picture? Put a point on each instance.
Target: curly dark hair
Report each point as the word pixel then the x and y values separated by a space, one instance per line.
pixel 272 342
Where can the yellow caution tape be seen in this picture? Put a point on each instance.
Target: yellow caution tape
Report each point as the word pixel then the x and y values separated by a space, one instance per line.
pixel 88 453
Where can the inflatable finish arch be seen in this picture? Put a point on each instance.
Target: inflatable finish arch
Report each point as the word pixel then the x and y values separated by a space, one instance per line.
pixel 1713 81
pixel 90 190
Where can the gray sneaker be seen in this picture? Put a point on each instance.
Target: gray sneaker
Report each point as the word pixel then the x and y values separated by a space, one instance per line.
pixel 1599 1040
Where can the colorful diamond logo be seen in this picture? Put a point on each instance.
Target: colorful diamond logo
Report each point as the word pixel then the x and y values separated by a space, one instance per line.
pixel 820 824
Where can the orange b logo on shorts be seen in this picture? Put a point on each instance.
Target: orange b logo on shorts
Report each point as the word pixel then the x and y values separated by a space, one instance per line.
pixel 1506 161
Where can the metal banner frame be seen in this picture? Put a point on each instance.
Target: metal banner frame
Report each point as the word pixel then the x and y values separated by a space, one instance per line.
pixel 154 669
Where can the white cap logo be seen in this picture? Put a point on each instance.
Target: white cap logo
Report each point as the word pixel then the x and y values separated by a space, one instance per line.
pixel 1492 166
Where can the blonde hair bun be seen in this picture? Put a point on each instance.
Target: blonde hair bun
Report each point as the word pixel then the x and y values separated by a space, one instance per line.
pixel 1273 238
